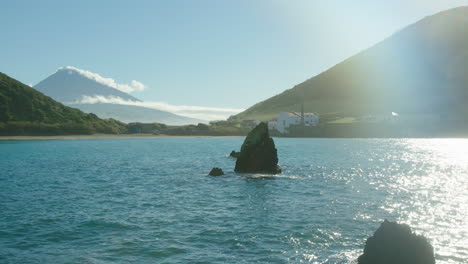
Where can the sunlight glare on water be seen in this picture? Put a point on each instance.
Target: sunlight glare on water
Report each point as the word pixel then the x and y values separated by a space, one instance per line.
pixel 437 188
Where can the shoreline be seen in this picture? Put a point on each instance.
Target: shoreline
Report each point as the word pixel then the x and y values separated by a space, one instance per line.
pixel 143 136
pixel 102 136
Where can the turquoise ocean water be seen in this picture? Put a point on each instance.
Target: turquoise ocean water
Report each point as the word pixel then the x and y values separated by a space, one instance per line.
pixel 150 201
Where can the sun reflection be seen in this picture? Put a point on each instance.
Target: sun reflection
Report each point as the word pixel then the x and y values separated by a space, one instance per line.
pixel 432 196
pixel 448 151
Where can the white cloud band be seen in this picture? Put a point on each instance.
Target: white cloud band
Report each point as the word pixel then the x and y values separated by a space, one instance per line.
pixel 199 112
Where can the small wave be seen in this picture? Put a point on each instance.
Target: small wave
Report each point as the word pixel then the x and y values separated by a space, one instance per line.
pixel 109 225
pixel 260 176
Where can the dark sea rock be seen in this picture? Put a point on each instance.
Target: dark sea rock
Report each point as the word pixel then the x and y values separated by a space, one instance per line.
pixel 394 243
pixel 258 153
pixel 216 172
pixel 234 154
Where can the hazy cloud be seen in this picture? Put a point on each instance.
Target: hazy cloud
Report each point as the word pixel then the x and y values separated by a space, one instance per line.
pixel 200 112
pixel 133 86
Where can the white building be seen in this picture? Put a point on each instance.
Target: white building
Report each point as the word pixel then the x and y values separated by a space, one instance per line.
pixel 286 119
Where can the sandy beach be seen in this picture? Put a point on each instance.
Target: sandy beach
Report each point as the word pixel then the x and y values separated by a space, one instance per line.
pixel 101 136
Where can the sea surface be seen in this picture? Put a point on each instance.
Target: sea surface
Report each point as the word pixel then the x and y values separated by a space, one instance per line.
pixel 150 201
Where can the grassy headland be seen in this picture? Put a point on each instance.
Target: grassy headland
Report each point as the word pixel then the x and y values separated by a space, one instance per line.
pixel 25 111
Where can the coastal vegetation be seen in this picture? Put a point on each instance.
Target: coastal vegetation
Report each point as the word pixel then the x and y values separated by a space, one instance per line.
pixel 216 128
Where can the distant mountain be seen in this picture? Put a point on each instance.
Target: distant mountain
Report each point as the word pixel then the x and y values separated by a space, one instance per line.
pixel 25 111
pixel 70 85
pixel 421 70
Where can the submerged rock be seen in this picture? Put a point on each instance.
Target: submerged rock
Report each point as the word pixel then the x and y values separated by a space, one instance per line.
pixel 234 154
pixel 394 243
pixel 216 172
pixel 258 153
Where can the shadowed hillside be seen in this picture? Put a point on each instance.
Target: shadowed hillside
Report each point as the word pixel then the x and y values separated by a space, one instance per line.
pixel 421 70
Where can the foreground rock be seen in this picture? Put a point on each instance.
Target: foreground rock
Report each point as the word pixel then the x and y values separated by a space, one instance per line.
pixel 216 172
pixel 258 153
pixel 394 243
pixel 234 154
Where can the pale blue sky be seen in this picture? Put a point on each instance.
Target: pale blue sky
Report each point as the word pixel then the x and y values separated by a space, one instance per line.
pixel 228 54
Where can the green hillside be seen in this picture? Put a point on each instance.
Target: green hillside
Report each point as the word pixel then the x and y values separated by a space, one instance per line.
pixel 421 70
pixel 25 111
